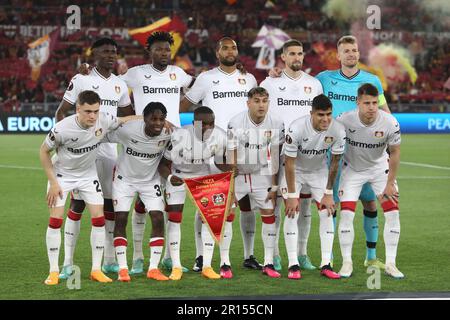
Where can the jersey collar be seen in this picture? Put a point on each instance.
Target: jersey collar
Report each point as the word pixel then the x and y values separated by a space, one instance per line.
pixel 100 75
pixel 226 73
pixel 294 79
pixel 157 71
pixel 349 78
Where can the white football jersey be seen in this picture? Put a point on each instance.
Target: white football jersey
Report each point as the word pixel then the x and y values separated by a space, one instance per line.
pixel 190 155
pixel 151 85
pixel 140 156
pixel 310 146
pixel 253 141
pixel 225 93
pixel 77 147
pixel 291 98
pixel 113 93
pixel 366 145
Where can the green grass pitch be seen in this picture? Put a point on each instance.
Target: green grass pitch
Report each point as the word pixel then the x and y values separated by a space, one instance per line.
pixel 423 253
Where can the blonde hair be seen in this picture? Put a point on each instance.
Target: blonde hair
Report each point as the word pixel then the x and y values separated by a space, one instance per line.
pixel 346 39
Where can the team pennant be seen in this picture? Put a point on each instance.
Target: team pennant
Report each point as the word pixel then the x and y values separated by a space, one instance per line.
pixel 213 195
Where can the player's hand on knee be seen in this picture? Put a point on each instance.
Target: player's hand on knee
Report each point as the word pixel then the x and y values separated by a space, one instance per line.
pixel 292 207
pixel 271 196
pixel 390 193
pixel 84 69
pixel 328 202
pixel 54 192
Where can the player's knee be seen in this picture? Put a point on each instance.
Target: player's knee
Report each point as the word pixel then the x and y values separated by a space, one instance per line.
pixel 157 218
pixel 175 216
pixel 109 215
pixel 77 206
pixel 348 206
pixel 389 206
pixel 268 219
pixel 98 221
pixel 139 207
pixel 73 215
pixel 55 223
pixel 369 205
pixel 230 217
pixel 370 214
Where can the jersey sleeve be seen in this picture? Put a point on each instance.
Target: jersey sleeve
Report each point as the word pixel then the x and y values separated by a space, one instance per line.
pixel 130 78
pixel 73 90
pixel 168 151
pixel 198 90
pixel 292 142
pixel 319 87
pixel 124 100
pixel 232 139
pixel 280 134
pixel 112 122
pixel 185 79
pixel 381 97
pixel 222 147
pixel 321 77
pixel 338 146
pixel 53 139
pixel 253 81
pixel 394 137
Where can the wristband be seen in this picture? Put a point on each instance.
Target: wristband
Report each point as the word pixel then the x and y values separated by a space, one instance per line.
pixel 292 195
pixel 169 177
pixel 329 192
pixel 274 189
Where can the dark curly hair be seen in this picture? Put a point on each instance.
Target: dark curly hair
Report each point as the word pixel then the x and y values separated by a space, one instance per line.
pixel 159 36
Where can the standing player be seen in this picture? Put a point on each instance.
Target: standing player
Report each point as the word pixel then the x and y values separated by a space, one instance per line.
pixel 156 82
pixel 144 144
pixel 256 137
pixel 224 89
pixel 291 97
pixel 369 132
pixel 114 100
pixel 307 142
pixel 77 141
pixel 340 86
pixel 194 149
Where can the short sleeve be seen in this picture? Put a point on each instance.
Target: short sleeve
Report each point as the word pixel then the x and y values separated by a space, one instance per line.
pixel 232 139
pixel 185 79
pixel 53 139
pixel 394 137
pixel 338 146
pixel 130 78
pixel 73 90
pixel 291 144
pixel 198 90
pixel 112 122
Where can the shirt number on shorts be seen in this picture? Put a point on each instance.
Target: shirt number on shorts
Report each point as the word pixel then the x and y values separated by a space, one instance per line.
pixel 97 186
pixel 158 190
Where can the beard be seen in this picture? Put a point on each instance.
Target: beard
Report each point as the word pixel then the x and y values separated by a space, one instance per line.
pixel 296 66
pixel 228 62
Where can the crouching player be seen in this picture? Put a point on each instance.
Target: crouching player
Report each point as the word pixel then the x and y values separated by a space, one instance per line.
pixel 76 140
pixel 194 149
pixel 307 142
pixel 255 140
pixel 144 143
pixel 369 132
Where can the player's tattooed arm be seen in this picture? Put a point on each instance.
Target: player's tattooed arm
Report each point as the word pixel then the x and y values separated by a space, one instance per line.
pixel 165 172
pixel 327 199
pixel 55 189
pixel 390 192
pixel 63 110
pixel 292 203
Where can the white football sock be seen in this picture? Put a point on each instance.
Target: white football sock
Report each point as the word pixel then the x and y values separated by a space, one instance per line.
pixel 138 226
pixel 391 234
pixel 304 226
pixel 268 232
pixel 208 246
pixel 156 248
pixel 290 229
pixel 346 234
pixel 278 219
pixel 248 225
pixel 166 226
pixel 71 232
pixel 109 253
pixel 173 242
pixel 53 240
pixel 198 235
pixel 226 243
pixel 326 231
pixel 121 252
pixel 97 246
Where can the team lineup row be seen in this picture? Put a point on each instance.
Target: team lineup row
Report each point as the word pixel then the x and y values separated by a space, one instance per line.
pixel 304 153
